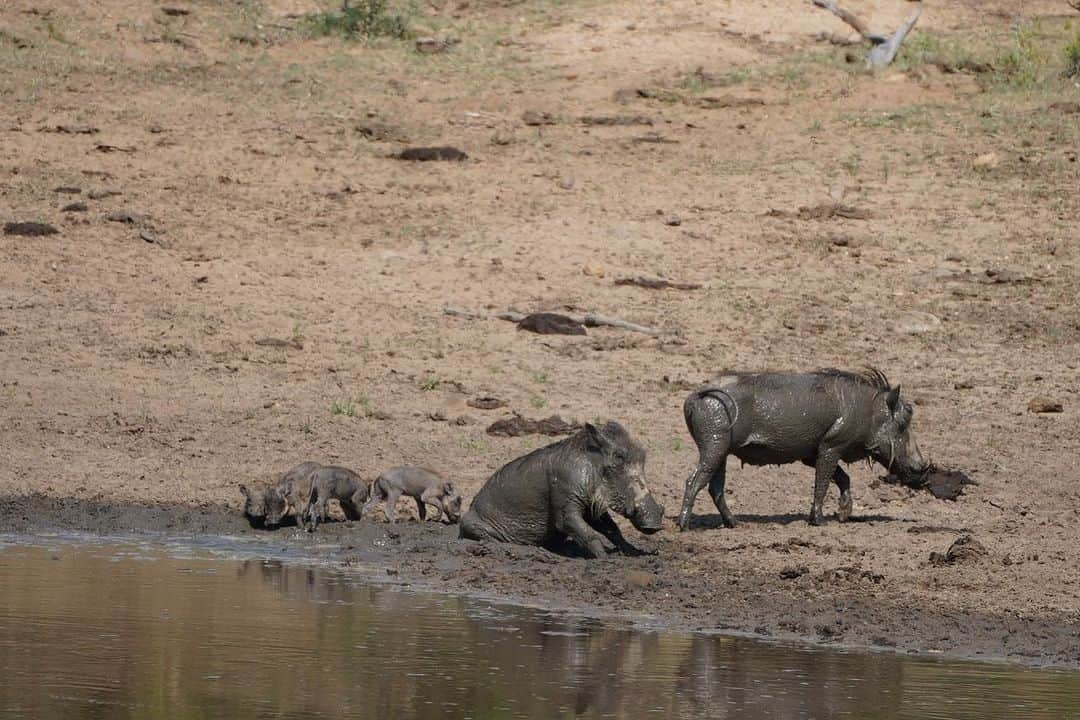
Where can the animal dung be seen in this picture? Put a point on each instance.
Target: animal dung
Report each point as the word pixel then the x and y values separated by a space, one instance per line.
pixel 432 154
pixel 485 403
pixel 964 549
pixel 551 324
pixel 518 425
pixel 29 229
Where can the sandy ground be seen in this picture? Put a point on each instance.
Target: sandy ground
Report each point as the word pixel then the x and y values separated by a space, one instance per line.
pixel 249 206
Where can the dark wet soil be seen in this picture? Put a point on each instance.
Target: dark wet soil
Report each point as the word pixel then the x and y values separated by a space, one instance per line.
pixel 661 588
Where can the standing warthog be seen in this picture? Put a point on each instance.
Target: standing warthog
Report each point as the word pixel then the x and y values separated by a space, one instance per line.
pixel 817 418
pixel 566 490
pixel 425 486
pixel 327 483
pixel 268 507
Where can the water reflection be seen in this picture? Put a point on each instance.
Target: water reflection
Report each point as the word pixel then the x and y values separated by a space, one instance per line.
pixel 124 632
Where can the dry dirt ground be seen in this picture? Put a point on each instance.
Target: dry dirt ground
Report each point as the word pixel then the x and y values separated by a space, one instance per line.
pixel 256 200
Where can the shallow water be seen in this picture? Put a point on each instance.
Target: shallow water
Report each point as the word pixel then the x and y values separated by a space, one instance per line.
pixel 139 631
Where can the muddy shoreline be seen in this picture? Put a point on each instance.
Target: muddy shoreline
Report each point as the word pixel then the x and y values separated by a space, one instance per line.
pixel 841 609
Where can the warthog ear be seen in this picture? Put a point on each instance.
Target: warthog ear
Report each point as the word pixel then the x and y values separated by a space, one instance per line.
pixel 595 437
pixel 892 399
pixel 448 488
pixel 244 490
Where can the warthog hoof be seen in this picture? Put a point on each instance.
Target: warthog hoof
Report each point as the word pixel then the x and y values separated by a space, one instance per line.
pixel 844 511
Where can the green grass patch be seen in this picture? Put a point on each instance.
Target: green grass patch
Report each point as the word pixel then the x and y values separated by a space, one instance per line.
pixel 361 20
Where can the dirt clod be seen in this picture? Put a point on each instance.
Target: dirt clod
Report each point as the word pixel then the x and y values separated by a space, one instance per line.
pixel 657 283
pixel 432 154
pixel 535 118
pixel 432 45
pixel 29 229
pixel 615 120
pixel 485 403
pixel 279 343
pixel 382 132
pixel 1045 405
pixel 963 550
pixel 518 426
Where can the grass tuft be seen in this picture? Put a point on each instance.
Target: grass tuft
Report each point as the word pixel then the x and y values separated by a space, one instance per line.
pixel 360 19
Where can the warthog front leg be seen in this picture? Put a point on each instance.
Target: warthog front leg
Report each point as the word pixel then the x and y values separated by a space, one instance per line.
pixel 572 523
pixel 609 529
pixel 432 498
pixel 825 467
pixel 843 484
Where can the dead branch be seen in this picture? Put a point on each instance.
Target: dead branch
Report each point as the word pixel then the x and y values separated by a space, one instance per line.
pixel 588 320
pixel 883 54
pixel 657 283
pixel 883 47
pixel 851 19
pixel 474 315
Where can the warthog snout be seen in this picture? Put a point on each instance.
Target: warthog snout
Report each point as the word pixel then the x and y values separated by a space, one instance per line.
pixel 648 515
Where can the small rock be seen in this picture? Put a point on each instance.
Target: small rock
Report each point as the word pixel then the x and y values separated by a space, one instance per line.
pixel 566 183
pixel 462 420
pixel 914 322
pixel 639 578
pixel 75 207
pixel 382 132
pixel 672 220
pixel 790 573
pixel 986 161
pixel 101 193
pixel 29 229
pixel 127 218
pixel 431 45
pixel 65 190
pixel 593 271
pixel 534 118
pixel 1044 405
pixel 437 416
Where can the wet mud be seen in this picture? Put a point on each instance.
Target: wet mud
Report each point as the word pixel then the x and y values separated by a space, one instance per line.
pixel 840 607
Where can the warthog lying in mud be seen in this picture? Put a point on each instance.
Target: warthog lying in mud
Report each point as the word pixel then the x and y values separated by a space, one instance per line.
pixel 566 490
pixel 818 418
pixel 423 485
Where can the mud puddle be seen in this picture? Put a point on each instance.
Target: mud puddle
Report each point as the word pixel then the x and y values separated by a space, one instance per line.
pixel 125 629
